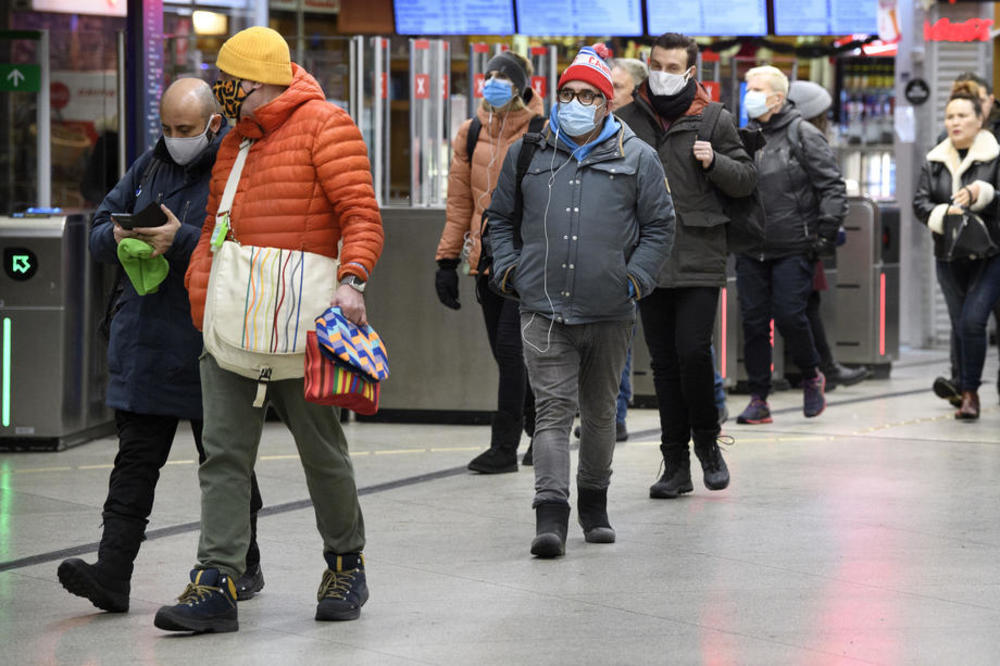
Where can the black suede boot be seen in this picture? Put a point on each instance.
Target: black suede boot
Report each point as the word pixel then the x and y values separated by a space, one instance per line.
pixel 592 512
pixel 551 525
pixel 502 454
pixel 108 582
pixel 252 580
pixel 706 447
pixel 676 477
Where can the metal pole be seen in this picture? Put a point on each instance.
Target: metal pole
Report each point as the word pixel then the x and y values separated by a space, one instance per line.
pixel 300 28
pixel 260 12
pixel 378 145
pixel 44 125
pixel 415 156
pixel 122 117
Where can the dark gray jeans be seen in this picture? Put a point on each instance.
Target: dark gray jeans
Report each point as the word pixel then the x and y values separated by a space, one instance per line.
pixel 573 366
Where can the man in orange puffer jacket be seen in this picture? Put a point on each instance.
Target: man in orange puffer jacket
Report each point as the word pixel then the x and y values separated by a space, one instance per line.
pixel 306 185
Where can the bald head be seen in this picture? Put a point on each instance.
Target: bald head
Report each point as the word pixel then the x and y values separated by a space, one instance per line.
pixel 186 108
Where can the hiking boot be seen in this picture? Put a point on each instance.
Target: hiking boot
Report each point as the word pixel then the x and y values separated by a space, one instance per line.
pixel 757 412
pixel 969 409
pixel 250 583
pixel 528 460
pixel 96 583
pixel 344 589
pixel 713 466
pixel 839 375
pixel 551 525
pixel 621 432
pixel 208 604
pixel 676 477
pixel 592 512
pixel 495 461
pixel 813 400
pixel 947 389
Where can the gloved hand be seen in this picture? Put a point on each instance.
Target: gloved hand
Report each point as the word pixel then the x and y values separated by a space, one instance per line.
pixel 823 247
pixel 446 283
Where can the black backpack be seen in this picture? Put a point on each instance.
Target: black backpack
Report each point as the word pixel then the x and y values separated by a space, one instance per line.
pixel 533 138
pixel 745 231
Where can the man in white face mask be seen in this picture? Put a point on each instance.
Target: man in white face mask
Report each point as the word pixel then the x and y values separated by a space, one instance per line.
pixel 805 201
pixel 704 159
pixel 153 375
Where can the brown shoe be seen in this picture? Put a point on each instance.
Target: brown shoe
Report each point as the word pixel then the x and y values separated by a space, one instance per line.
pixel 969 411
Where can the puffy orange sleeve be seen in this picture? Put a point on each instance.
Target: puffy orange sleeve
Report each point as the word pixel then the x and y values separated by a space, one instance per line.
pixel 200 265
pixel 460 200
pixel 342 168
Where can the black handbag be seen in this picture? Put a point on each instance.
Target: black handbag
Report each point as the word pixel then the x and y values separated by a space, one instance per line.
pixel 967 237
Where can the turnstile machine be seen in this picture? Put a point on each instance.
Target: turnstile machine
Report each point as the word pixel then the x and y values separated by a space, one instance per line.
pixel 53 367
pixel 867 330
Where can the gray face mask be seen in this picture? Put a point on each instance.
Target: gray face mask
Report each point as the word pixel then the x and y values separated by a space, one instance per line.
pixel 183 150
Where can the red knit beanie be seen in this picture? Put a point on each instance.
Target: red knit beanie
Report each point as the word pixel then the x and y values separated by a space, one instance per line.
pixel 590 67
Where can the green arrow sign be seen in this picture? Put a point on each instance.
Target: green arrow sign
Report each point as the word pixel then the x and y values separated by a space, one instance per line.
pixel 20 78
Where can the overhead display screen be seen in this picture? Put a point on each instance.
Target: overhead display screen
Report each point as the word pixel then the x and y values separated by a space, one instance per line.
pixel 454 17
pixel 620 18
pixel 707 17
pixel 825 17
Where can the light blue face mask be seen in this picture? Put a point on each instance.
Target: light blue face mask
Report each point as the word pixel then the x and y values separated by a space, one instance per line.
pixel 755 102
pixel 575 119
pixel 498 92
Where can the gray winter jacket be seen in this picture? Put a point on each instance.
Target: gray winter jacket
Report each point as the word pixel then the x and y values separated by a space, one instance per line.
pixel 801 187
pixel 588 228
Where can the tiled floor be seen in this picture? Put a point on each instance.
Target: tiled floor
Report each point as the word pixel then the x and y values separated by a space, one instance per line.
pixel 867 535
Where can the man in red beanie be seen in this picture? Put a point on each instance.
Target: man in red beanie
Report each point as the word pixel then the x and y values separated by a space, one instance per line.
pixel 306 185
pixel 579 239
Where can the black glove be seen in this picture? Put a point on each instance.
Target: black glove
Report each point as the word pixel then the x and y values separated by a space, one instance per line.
pixel 446 283
pixel 823 247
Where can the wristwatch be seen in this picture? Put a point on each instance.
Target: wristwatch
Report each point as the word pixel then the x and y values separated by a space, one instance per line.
pixel 354 282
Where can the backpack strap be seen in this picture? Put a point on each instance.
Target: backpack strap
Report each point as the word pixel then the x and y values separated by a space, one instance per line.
pixel 709 119
pixel 533 138
pixel 473 137
pixel 794 134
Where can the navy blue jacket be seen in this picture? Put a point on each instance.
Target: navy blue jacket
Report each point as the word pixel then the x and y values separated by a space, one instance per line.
pixel 154 347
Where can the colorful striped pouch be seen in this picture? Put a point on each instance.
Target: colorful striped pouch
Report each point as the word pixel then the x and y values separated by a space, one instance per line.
pixel 329 382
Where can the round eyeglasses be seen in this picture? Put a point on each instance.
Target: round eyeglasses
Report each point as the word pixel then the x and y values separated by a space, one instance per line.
pixel 586 97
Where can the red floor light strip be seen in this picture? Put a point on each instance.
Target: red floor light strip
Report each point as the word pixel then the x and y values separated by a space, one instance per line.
pixel 881 315
pixel 722 355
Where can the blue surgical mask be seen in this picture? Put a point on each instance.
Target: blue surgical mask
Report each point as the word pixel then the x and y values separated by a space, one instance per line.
pixel 575 119
pixel 755 102
pixel 498 92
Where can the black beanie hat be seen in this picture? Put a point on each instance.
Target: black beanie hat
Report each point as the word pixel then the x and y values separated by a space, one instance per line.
pixel 511 67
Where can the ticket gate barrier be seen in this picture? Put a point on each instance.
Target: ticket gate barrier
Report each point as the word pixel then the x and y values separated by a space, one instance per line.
pixel 867 330
pixel 53 369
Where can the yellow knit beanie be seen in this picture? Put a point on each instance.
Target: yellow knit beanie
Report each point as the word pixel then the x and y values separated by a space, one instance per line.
pixel 257 54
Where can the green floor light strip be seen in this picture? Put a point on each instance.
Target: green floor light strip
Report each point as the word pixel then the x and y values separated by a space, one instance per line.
pixel 6 372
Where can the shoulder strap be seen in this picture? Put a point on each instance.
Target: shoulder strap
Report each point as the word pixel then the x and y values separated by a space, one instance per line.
pixel 473 137
pixel 794 134
pixel 228 194
pixel 532 140
pixel 709 119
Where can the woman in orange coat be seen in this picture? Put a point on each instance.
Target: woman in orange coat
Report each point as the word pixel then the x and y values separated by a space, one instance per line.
pixel 507 109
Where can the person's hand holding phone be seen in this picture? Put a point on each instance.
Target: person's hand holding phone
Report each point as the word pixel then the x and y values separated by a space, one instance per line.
pixel 161 237
pixel 122 233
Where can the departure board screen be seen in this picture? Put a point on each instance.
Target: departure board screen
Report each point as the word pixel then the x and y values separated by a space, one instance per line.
pixel 707 17
pixel 825 17
pixel 454 17
pixel 579 17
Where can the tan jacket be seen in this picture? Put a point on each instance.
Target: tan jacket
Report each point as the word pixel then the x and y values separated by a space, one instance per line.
pixel 470 186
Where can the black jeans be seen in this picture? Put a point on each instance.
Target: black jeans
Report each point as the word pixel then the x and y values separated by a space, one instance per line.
pixel 515 401
pixel 777 288
pixel 144 442
pixel 818 330
pixel 678 326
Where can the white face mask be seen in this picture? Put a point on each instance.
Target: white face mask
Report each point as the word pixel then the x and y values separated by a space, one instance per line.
pixel 755 102
pixel 183 150
pixel 667 83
